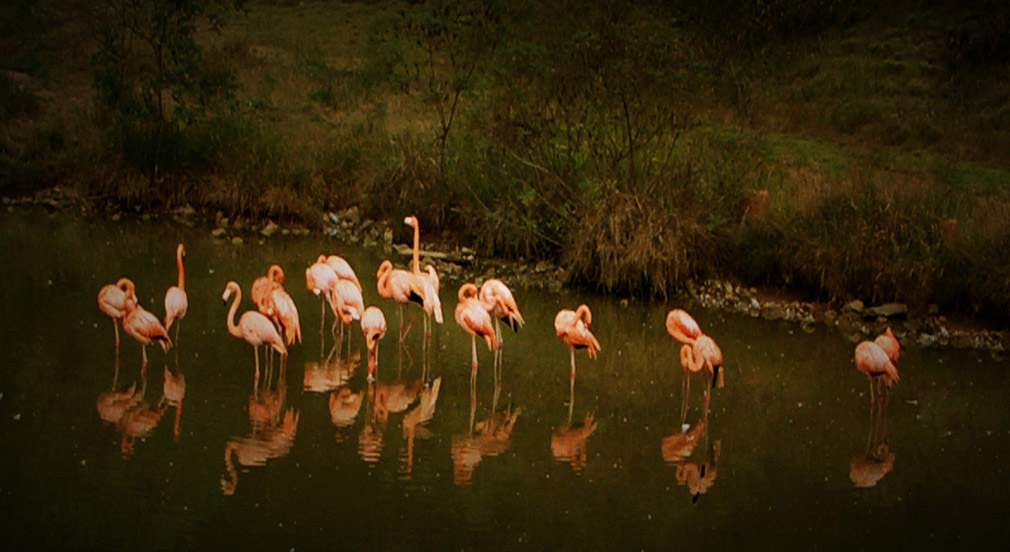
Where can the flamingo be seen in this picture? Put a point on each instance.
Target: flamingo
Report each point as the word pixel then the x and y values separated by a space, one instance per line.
pixel 112 301
pixel 176 302
pixel 373 325
pixel 873 361
pixel 320 279
pixel 341 268
pixel 347 304
pixel 698 351
pixel 262 286
pixel 471 316
pixel 428 280
pixel 497 299
pixel 398 285
pixel 572 327
pixel 143 326
pixel 890 345
pixel 254 327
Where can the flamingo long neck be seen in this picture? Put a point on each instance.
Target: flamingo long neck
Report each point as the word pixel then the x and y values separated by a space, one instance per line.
pixel 384 273
pixel 417 248
pixel 232 328
pixel 182 273
pixel 465 290
pixel 584 313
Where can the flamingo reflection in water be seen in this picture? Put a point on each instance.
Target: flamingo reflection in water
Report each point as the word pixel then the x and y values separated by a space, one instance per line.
pixel 272 434
pixel 697 352
pixel 114 403
pixel 414 420
pixel 173 391
pixel 140 420
pixel 698 476
pixel 488 437
pixel 568 443
pixel 384 399
pixel 330 372
pixel 877 460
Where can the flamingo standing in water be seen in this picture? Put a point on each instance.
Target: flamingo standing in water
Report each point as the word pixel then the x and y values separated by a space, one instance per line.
pixel 176 302
pixel 373 325
pixel 474 319
pixel 112 301
pixel 254 327
pixel 872 360
pixel 142 325
pixel 890 345
pixel 572 327
pixel 347 304
pixel 697 352
pixel 398 285
pixel 320 279
pixel 272 300
pixel 497 299
pixel 427 281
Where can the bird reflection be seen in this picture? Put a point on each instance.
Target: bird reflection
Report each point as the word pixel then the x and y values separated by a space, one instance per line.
pixel 489 437
pixel 415 417
pixel 568 443
pixel 139 420
pixel 697 474
pixel 172 393
pixel 384 399
pixel 344 407
pixel 329 372
pixel 868 468
pixel 112 404
pixel 272 435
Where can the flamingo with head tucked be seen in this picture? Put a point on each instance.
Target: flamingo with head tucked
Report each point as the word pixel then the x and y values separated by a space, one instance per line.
pixel 347 304
pixel 176 301
pixel 400 286
pixel 873 361
pixel 890 345
pixel 321 280
pixel 572 327
pixel 263 285
pixel 341 268
pixel 142 325
pixel 255 328
pixel 697 352
pixel 272 300
pixel 474 319
pixel 373 325
pixel 112 301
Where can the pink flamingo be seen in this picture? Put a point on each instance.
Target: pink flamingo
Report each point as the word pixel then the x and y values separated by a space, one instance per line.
pixel 373 325
pixel 112 301
pixel 142 325
pixel 572 326
pixel 262 286
pixel 474 319
pixel 176 302
pixel 398 285
pixel 253 327
pixel 347 304
pixel 698 351
pixel 890 345
pixel 873 361
pixel 341 268
pixel 427 281
pixel 320 279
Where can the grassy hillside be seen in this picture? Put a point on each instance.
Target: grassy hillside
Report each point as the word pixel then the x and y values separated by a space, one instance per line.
pixel 827 147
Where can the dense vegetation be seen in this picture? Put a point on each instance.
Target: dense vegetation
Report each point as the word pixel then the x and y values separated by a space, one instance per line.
pixel 832 147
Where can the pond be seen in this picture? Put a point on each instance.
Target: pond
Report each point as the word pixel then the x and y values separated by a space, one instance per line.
pixel 105 455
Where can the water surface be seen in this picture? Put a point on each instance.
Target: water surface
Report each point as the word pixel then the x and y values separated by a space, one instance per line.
pixel 318 458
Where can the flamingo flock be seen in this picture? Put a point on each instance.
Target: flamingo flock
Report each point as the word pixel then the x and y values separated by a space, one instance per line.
pixel 274 323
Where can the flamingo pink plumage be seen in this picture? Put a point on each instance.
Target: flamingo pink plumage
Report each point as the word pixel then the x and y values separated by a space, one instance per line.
pixel 572 327
pixel 341 268
pixel 320 279
pixel 263 285
pixel 176 302
pixel 142 325
pixel 474 319
pixel 682 327
pixel 253 327
pixel 873 361
pixel 890 345
pixel 347 303
pixel 398 285
pixel 373 325
pixel 427 281
pixel 112 301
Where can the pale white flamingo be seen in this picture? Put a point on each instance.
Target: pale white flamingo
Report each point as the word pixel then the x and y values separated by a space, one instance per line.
pixel 572 327
pixel 320 279
pixel 347 304
pixel 176 302
pixel 341 268
pixel 497 299
pixel 253 327
pixel 474 319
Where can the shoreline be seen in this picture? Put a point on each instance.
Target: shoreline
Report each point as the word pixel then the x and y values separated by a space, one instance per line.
pixel 854 321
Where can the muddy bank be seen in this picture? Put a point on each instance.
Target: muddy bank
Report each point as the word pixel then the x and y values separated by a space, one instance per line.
pixel 853 321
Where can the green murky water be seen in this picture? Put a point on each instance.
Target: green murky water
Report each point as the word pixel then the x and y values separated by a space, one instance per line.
pixel 89 464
